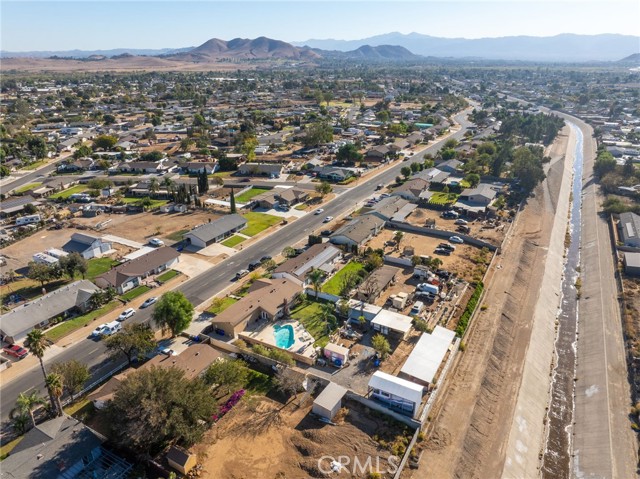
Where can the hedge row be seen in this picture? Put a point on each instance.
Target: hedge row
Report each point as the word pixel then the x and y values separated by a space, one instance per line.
pixel 471 306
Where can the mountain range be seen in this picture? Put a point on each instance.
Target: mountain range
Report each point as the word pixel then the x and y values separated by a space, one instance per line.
pixel 559 48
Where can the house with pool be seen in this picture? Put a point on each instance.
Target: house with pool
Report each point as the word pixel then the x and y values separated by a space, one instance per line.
pixel 268 299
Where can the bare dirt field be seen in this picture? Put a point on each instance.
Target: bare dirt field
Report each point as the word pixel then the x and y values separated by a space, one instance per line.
pixel 473 416
pixel 479 229
pixel 262 439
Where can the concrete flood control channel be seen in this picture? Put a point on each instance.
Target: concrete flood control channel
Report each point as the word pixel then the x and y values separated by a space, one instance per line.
pixel 556 458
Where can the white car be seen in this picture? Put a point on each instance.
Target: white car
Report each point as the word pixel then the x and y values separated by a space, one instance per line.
pixel 126 314
pixel 456 239
pixel 460 222
pixel 318 211
pixel 156 242
pixel 149 301
pixel 327 219
pixel 96 333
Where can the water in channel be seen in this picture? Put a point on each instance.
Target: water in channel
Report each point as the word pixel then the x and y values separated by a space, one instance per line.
pixel 556 458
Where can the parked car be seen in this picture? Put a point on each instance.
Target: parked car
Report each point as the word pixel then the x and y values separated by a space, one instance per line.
pixel 265 258
pixel 456 239
pixel 460 221
pixel 96 333
pixel 126 314
pixel 149 301
pixel 328 219
pixel 254 265
pixel 442 251
pixel 111 328
pixel 448 246
pixel 452 215
pixel 326 232
pixel 319 211
pixel 15 351
pixel 385 195
pixel 379 187
pixel 463 229
pixel 240 274
pixel 156 242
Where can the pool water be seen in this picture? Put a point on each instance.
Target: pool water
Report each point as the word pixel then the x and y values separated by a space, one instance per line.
pixel 284 336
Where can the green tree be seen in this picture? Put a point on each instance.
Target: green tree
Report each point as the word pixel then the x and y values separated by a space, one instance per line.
pixel 232 202
pixel 38 146
pixel 473 179
pixel 37 344
pixel 527 168
pixel 373 261
pixel 349 154
pixel 398 237
pixel 605 163
pixel 27 403
pixel 82 151
pixel 288 252
pixel 317 133
pixel 406 172
pixel 315 276
pixel 4 171
pixel 158 406
pixel 74 375
pixel 108 119
pixel 105 142
pixel 324 188
pixel 134 341
pixel 55 386
pixel 248 148
pixel 173 312
pixel 381 345
pixel 228 374
pixel 74 263
pixel 43 273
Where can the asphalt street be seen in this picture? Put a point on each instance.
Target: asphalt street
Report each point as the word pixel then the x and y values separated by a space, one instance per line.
pixel 204 286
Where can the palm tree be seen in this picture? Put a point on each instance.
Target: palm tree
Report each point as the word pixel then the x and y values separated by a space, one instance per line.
pixel 37 344
pixel 27 403
pixel 56 387
pixel 316 276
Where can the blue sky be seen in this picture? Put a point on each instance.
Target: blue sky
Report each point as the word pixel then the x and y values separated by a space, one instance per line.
pixel 106 24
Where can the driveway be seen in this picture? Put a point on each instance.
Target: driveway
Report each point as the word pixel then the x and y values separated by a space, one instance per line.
pixel 190 265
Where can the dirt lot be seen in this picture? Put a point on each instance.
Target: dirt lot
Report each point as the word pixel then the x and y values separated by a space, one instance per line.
pixel 262 439
pixel 479 228
pixel 459 262
pixel 143 226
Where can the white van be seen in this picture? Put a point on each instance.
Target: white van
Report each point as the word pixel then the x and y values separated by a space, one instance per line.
pixel 111 328
pixel 418 306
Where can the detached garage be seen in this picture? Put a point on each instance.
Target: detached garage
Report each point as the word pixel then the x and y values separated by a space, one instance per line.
pixel 329 402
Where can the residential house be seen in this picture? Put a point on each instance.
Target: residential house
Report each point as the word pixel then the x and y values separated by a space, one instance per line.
pixel 272 170
pixel 128 275
pixel 144 167
pixel 377 282
pixel 332 173
pixel 358 231
pixel 216 231
pixel 194 167
pixel 377 154
pixel 426 357
pixel 483 194
pixel 321 256
pixel 629 229
pixel 63 448
pixel 390 323
pixel 15 204
pixel 193 361
pixel 412 189
pixel 17 323
pixel 268 299
pixel 387 208
pixel 451 166
pixel 87 245
pixel 396 393
pixel 282 196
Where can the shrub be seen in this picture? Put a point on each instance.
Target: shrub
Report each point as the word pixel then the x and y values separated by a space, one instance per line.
pixel 468 312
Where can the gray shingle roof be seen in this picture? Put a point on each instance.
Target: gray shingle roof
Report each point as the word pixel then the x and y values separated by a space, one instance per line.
pixel 139 266
pixel 209 231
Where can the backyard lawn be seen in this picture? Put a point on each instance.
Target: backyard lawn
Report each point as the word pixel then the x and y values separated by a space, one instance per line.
pixel 310 315
pixel 67 327
pixel 334 285
pixel 247 195
pixel 218 307
pixel 98 266
pixel 233 241
pixel 154 203
pixel 167 275
pixel 68 192
pixel 259 222
pixel 135 292
pixel 440 198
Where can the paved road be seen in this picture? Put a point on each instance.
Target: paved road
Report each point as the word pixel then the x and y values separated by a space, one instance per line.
pixel 7 186
pixel 204 286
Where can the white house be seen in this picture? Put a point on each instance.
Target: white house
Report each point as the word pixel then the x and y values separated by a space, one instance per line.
pixel 396 393
pixel 88 246
pixel 424 361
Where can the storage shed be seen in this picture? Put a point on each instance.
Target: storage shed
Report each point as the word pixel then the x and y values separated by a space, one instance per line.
pixel 329 402
pixel 338 355
pixel 180 459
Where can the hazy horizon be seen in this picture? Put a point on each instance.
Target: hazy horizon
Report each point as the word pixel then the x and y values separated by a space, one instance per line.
pixel 107 25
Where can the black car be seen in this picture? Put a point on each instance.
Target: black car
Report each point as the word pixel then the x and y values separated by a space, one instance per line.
pixel 326 232
pixel 254 265
pixel 443 251
pixel 448 246
pixel 265 258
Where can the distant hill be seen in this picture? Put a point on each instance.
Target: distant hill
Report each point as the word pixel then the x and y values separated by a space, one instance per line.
pixel 243 48
pixel 631 59
pixel 369 53
pixel 559 48
pixel 92 53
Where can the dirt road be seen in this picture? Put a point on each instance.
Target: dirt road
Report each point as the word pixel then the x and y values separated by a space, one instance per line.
pixel 472 421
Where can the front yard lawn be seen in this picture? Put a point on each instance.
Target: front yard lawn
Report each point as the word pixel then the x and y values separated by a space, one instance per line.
pixel 135 292
pixel 27 187
pixel 167 275
pixel 233 241
pixel 247 195
pixel 176 235
pixel 218 307
pixel 310 315
pixel 68 192
pixel 154 203
pixel 259 222
pixel 98 266
pixel 67 327
pixel 334 285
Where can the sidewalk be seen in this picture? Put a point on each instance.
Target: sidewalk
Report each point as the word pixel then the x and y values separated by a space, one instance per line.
pixel 21 367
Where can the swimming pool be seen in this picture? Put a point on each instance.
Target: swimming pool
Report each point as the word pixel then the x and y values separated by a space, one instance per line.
pixel 284 336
